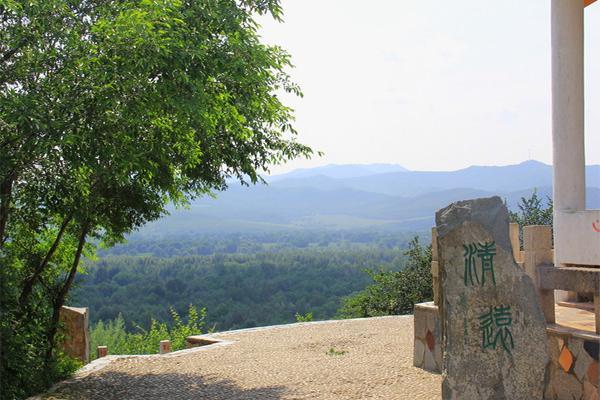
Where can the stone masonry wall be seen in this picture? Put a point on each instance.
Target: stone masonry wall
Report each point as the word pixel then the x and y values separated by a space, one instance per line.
pixel 573 372
pixel 574 369
pixel 76 341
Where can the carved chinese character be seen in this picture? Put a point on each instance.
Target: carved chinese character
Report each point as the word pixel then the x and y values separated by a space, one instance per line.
pixel 495 327
pixel 486 252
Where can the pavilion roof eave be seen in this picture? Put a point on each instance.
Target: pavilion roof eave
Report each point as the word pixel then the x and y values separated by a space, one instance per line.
pixel 588 2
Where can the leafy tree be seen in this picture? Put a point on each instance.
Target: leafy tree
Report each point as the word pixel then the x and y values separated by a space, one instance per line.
pixel 533 212
pixel 109 110
pixel 394 292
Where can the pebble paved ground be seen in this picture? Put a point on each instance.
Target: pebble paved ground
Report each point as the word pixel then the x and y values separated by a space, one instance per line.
pixel 355 359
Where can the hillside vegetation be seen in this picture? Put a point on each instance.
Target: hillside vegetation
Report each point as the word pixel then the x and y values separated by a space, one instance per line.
pixel 269 277
pixel 241 281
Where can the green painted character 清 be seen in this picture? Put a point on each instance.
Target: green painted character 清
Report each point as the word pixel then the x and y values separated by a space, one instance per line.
pixel 485 252
pixel 470 267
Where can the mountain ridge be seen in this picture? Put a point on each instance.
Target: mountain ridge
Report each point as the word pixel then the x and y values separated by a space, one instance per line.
pixel 340 171
pixel 397 201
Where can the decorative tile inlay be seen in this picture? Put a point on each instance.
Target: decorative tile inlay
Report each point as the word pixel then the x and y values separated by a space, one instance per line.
pixel 582 364
pixel 565 360
pixel 576 348
pixel 593 373
pixel 590 392
pixel 430 340
pixel 592 348
pixel 555 345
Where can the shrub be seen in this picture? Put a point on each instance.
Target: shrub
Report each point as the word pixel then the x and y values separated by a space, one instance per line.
pixel 304 318
pixel 114 335
pixel 532 212
pixel 392 292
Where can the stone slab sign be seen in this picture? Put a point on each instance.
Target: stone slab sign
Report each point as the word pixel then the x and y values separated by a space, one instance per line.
pixel 493 330
pixel 76 342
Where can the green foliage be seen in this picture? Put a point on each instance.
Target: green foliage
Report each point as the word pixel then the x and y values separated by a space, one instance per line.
pixel 304 318
pixel 394 292
pixel 65 365
pixel 533 212
pixel 114 335
pixel 335 352
pixel 109 111
pixel 258 284
pixel 262 242
pixel 24 330
pixel 111 333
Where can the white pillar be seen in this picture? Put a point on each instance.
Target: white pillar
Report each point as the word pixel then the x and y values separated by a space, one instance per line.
pixel 567 111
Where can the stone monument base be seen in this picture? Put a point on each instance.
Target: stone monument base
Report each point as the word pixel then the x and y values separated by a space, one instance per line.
pixel 574 371
pixel 427 346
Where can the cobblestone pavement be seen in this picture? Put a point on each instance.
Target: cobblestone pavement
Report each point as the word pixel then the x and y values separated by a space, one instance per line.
pixel 353 359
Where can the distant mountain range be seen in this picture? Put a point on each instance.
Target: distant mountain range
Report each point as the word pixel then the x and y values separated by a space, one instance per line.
pixel 339 171
pixel 375 196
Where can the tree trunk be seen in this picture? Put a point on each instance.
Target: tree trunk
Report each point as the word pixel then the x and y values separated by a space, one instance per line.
pixel 5 198
pixel 30 281
pixel 59 300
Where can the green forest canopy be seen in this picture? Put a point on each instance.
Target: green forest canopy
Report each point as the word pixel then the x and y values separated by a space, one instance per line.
pixel 242 281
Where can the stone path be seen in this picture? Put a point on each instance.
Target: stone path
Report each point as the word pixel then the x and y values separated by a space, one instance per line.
pixel 353 359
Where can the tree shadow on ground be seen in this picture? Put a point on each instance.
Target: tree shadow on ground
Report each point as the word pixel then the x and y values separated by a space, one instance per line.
pixel 168 386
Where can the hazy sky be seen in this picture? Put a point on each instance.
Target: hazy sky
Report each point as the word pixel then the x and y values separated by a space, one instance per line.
pixel 430 85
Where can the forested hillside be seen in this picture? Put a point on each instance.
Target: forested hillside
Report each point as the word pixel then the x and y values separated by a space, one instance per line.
pixel 243 281
pixel 259 255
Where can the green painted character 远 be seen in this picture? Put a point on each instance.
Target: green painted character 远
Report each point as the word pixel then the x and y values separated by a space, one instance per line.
pixel 495 326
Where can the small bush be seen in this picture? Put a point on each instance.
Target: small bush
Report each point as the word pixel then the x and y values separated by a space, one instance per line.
pixel 394 293
pixel 304 318
pixel 119 341
pixel 335 352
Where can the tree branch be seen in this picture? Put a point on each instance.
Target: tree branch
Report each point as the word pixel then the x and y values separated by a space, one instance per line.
pixel 59 300
pixel 5 198
pixel 29 282
pixel 8 54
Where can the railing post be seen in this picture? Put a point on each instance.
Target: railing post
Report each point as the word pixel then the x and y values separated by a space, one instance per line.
pixel 102 351
pixel 165 346
pixel 537 250
pixel 597 311
pixel 513 233
pixel 435 268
